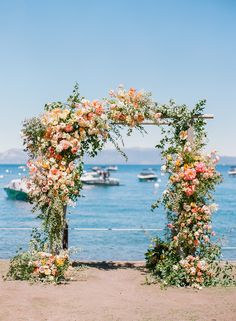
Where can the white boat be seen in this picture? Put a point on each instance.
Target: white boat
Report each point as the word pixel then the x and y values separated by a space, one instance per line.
pixel 111 168
pixel 232 171
pixel 147 175
pixel 96 168
pixel 17 189
pixel 99 178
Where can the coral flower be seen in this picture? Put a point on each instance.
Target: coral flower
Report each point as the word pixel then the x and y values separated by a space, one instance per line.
pixel 74 150
pixel 54 171
pixel 68 128
pixel 189 174
pixel 99 110
pixel 190 190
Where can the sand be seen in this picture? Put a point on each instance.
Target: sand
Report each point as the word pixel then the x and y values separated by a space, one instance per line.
pixel 112 292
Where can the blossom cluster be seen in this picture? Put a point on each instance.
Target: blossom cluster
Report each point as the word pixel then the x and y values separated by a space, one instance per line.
pixel 197 270
pixel 192 175
pixel 49 267
pixel 65 132
pixel 50 179
pixel 131 107
pixel 68 127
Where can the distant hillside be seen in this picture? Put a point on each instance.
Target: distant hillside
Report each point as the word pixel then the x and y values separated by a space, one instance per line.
pixel 108 156
pixel 13 156
pixel 228 160
pixel 135 156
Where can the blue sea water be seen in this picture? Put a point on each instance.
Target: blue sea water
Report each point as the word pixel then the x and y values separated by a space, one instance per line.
pixel 126 206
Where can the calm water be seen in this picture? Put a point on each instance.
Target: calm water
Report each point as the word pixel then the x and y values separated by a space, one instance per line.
pixel 125 206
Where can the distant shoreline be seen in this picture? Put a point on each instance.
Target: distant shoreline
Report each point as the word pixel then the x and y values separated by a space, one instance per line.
pixel 136 156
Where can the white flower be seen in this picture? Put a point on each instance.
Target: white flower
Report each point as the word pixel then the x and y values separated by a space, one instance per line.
pixel 192 270
pixel 187 207
pixel 183 262
pixel 213 207
pixel 71 203
pixel 163 168
pixel 165 192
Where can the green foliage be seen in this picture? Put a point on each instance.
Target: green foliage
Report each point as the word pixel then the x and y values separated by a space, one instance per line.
pixel 19 267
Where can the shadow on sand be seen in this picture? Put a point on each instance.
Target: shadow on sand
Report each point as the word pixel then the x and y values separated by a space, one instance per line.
pixel 111 265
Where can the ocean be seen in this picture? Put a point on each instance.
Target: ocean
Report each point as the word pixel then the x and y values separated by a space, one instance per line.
pixel 126 207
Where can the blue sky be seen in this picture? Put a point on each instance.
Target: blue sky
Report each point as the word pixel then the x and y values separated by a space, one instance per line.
pixel 181 49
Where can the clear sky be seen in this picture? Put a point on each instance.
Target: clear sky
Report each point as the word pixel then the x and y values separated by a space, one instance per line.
pixel 181 49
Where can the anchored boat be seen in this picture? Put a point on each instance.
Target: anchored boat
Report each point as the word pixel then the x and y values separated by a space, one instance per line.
pixel 101 178
pixel 17 190
pixel 147 175
pixel 112 168
pixel 232 171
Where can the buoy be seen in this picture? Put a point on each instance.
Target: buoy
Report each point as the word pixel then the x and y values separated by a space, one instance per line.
pixel 156 185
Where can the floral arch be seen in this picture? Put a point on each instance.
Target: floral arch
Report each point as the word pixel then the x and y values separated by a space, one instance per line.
pixel 58 139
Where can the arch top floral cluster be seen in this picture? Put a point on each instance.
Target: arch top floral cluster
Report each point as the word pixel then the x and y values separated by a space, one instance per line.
pixel 65 132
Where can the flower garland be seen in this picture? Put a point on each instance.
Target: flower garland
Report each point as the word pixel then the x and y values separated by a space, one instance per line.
pixel 62 135
pixel 132 107
pixel 187 256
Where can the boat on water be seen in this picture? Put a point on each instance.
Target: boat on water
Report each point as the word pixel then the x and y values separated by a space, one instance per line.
pixel 18 190
pixel 147 175
pixel 101 178
pixel 111 168
pixel 96 168
pixel 232 171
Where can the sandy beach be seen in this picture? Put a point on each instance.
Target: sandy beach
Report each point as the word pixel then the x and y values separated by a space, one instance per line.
pixel 112 292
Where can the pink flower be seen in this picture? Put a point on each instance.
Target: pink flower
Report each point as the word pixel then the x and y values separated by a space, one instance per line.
pixel 170 225
pixel 71 166
pixel 157 115
pixel 200 167
pixel 189 174
pixel 190 190
pixel 65 144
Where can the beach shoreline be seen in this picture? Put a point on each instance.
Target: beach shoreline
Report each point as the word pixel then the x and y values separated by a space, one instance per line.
pixel 111 291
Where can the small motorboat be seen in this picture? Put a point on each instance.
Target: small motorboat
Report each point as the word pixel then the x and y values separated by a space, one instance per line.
pixel 147 175
pixel 18 190
pixel 112 168
pixel 96 168
pixel 101 178
pixel 232 171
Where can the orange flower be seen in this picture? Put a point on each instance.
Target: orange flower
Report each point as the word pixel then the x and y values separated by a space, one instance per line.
pixel 131 91
pixel 140 118
pixel 68 128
